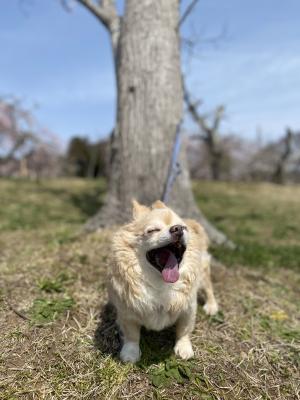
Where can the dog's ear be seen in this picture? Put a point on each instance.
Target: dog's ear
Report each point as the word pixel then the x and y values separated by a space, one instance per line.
pixel 138 209
pixel 158 204
pixel 194 225
pixel 198 229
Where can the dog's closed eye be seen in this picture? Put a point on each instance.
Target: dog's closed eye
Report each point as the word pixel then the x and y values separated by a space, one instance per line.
pixel 152 230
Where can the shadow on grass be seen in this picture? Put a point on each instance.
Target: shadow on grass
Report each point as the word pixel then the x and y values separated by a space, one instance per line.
pixel 107 335
pixel 89 202
pixel 155 346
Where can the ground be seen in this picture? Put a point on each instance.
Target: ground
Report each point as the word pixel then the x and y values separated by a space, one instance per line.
pixel 58 337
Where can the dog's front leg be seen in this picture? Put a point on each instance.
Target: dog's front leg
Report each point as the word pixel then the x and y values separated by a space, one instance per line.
pixel 211 305
pixel 184 326
pixel 131 341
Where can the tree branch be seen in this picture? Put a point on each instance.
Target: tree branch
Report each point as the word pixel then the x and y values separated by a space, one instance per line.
pixel 187 12
pixel 98 11
pixel 209 131
pixel 192 108
pixel 106 12
pixel 219 113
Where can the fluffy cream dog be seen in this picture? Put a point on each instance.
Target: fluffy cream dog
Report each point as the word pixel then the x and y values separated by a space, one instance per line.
pixel 159 263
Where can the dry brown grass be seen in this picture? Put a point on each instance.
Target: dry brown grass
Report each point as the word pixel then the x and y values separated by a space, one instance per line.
pixel 249 351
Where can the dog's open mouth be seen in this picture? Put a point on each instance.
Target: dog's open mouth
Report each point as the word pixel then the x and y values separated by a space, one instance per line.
pixel 166 260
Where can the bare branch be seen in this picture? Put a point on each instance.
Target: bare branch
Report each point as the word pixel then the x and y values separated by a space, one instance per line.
pixel 219 114
pixel 187 12
pixel 201 120
pixel 192 108
pixel 66 5
pixel 210 133
pixel 106 12
pixel 99 11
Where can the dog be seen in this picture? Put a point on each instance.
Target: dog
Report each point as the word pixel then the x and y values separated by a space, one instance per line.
pixel 160 261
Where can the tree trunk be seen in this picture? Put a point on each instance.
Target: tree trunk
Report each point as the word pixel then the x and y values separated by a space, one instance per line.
pixel 149 108
pixel 215 163
pixel 278 175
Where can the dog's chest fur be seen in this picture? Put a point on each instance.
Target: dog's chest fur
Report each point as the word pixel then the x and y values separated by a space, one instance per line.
pixel 160 307
pixel 155 304
pixel 159 319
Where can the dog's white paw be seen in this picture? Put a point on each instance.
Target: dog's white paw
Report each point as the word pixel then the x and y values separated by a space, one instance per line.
pixel 130 352
pixel 211 308
pixel 183 348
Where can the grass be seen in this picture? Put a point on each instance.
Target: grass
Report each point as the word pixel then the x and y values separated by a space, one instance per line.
pixel 29 205
pixel 45 310
pixel 262 219
pixel 58 336
pixel 54 285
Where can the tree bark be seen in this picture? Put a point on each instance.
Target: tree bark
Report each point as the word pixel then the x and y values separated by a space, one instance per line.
pixel 149 108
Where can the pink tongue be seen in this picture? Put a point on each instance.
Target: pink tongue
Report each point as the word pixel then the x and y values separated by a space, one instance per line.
pixel 170 272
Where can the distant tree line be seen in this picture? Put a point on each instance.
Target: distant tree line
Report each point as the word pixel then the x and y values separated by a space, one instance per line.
pixel 245 160
pixel 86 159
pixel 30 151
pixel 26 148
pixel 216 156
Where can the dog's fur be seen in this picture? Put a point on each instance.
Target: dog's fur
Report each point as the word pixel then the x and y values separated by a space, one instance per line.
pixel 137 289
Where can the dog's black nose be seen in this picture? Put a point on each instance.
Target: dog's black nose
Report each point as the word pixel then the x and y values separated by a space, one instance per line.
pixel 176 230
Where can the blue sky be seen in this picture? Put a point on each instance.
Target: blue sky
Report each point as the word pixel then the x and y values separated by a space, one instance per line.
pixel 60 64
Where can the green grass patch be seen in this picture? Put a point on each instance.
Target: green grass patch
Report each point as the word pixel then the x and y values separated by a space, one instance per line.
pixel 262 219
pixel 44 311
pixel 170 372
pixel 277 326
pixel 30 205
pixel 258 255
pixel 55 285
pixel 218 318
